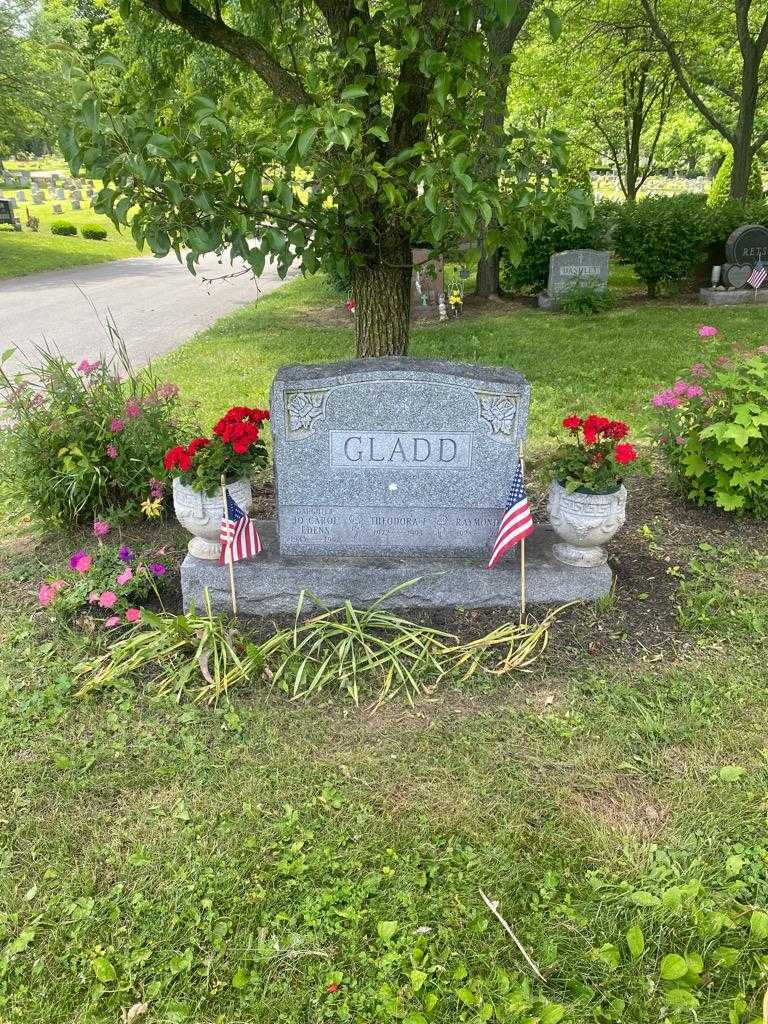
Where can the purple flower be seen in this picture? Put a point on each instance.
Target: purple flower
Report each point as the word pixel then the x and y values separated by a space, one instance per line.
pixel 156 488
pixel 111 451
pixel 87 368
pixel 116 426
pixel 157 568
pixel 132 409
pixel 694 391
pixel 125 554
pixel 100 528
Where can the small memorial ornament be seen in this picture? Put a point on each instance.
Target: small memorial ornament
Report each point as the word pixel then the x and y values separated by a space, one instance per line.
pixel 587 497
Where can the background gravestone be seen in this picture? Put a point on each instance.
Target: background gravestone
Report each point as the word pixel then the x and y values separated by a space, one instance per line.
pixel 571 268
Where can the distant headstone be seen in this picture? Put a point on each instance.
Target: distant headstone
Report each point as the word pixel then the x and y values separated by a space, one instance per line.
pixel 427 283
pixel 746 244
pixel 388 470
pixel 60 193
pixel 21 196
pixel 75 204
pixel 37 198
pixel 58 208
pixel 76 194
pixel 574 267
pixel 6 212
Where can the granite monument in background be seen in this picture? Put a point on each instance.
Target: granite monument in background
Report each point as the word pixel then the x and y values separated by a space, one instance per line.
pixel 386 471
pixel 574 268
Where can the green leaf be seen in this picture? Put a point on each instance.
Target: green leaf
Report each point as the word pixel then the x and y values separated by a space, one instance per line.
pixel 673 966
pixel 252 185
pixel 125 9
pixel 731 773
pixel 379 132
pixel 305 140
pixel 467 996
pixel 681 997
pixel 110 60
pixel 554 23
pixel 206 162
pixel 7 353
pixel 353 92
pixel 417 979
pixel 104 969
pixel 386 929
pixel 640 898
pixel 240 978
pixel 91 114
pixel 758 924
pixel 552 1013
pixel 635 941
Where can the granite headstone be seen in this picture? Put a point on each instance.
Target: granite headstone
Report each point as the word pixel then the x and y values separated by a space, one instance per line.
pixel 387 471
pixel 577 267
pixel 388 457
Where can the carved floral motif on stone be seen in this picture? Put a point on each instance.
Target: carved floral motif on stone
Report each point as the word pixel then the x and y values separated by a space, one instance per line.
pixel 302 408
pixel 500 413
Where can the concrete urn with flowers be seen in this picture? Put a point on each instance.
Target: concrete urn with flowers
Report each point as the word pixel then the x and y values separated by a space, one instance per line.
pixel 201 469
pixel 587 497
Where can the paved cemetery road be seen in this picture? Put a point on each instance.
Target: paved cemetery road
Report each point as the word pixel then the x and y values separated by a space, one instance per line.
pixel 156 304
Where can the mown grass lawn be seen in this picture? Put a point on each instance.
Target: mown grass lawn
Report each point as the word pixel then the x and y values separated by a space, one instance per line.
pixel 266 862
pixel 28 252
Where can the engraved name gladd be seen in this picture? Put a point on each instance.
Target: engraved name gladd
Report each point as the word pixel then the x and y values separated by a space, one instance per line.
pixel 386 449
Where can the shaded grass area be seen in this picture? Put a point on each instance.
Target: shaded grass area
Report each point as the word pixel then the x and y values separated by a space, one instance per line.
pixel 267 862
pixel 609 363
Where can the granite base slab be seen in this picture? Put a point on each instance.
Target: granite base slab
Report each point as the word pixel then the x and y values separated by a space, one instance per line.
pixel 546 301
pixel 271 584
pixel 733 296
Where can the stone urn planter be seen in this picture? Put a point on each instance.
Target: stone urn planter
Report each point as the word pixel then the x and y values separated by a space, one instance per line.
pixel 584 522
pixel 201 515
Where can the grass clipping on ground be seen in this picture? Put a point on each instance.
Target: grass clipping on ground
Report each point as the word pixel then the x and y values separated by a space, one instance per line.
pixel 370 653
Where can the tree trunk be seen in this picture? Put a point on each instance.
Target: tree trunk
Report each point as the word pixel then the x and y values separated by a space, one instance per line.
pixel 487 280
pixel 742 138
pixel 742 166
pixel 382 294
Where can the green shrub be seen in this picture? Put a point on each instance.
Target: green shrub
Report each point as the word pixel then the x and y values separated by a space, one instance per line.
pixel 664 238
pixel 585 298
pixel 721 187
pixel 63 227
pixel 87 442
pixel 714 431
pixel 95 231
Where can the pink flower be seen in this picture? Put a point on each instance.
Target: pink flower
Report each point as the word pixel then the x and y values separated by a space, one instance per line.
pixel 48 591
pixel 132 409
pixel 111 451
pixel 157 568
pixel 132 614
pixel 116 426
pixel 681 386
pixel 87 368
pixel 673 402
pixel 93 597
pixel 706 331
pixel 169 391
pixel 699 370
pixel 108 599
pixel 100 528
pixel 679 439
pixel 113 620
pixel 763 350
pixel 658 400
pixel 694 391
pixel 125 575
pixel 80 562
pixel 156 488
pixel 722 361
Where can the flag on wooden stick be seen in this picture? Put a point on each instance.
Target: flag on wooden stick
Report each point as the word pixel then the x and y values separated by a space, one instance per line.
pixel 516 523
pixel 237 534
pixel 758 275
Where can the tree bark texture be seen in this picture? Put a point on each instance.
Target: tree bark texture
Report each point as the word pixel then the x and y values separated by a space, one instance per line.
pixel 382 294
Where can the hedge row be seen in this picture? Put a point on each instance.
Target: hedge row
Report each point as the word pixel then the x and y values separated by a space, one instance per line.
pixel 666 239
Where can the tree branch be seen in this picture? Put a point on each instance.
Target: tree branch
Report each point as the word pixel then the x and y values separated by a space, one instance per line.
pixel 674 58
pixel 246 49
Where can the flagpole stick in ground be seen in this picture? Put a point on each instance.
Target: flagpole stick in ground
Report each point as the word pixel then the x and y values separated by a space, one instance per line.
pixel 522 545
pixel 228 556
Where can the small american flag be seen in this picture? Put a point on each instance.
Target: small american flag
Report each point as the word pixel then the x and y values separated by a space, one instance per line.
pixel 758 275
pixel 237 533
pixel 516 522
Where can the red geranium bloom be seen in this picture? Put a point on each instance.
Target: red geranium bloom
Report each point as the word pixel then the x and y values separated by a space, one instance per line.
pixel 177 457
pixel 625 453
pixel 196 444
pixel 596 423
pixel 572 422
pixel 333 987
pixel 616 430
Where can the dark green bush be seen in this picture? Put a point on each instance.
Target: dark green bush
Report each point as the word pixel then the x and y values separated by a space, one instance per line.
pixel 63 227
pixel 95 231
pixel 665 238
pixel 721 186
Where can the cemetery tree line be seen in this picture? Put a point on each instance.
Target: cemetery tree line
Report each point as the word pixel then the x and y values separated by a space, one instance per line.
pixel 375 140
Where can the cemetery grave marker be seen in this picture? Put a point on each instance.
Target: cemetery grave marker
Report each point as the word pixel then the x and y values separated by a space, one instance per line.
pixel 574 268
pixel 389 470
